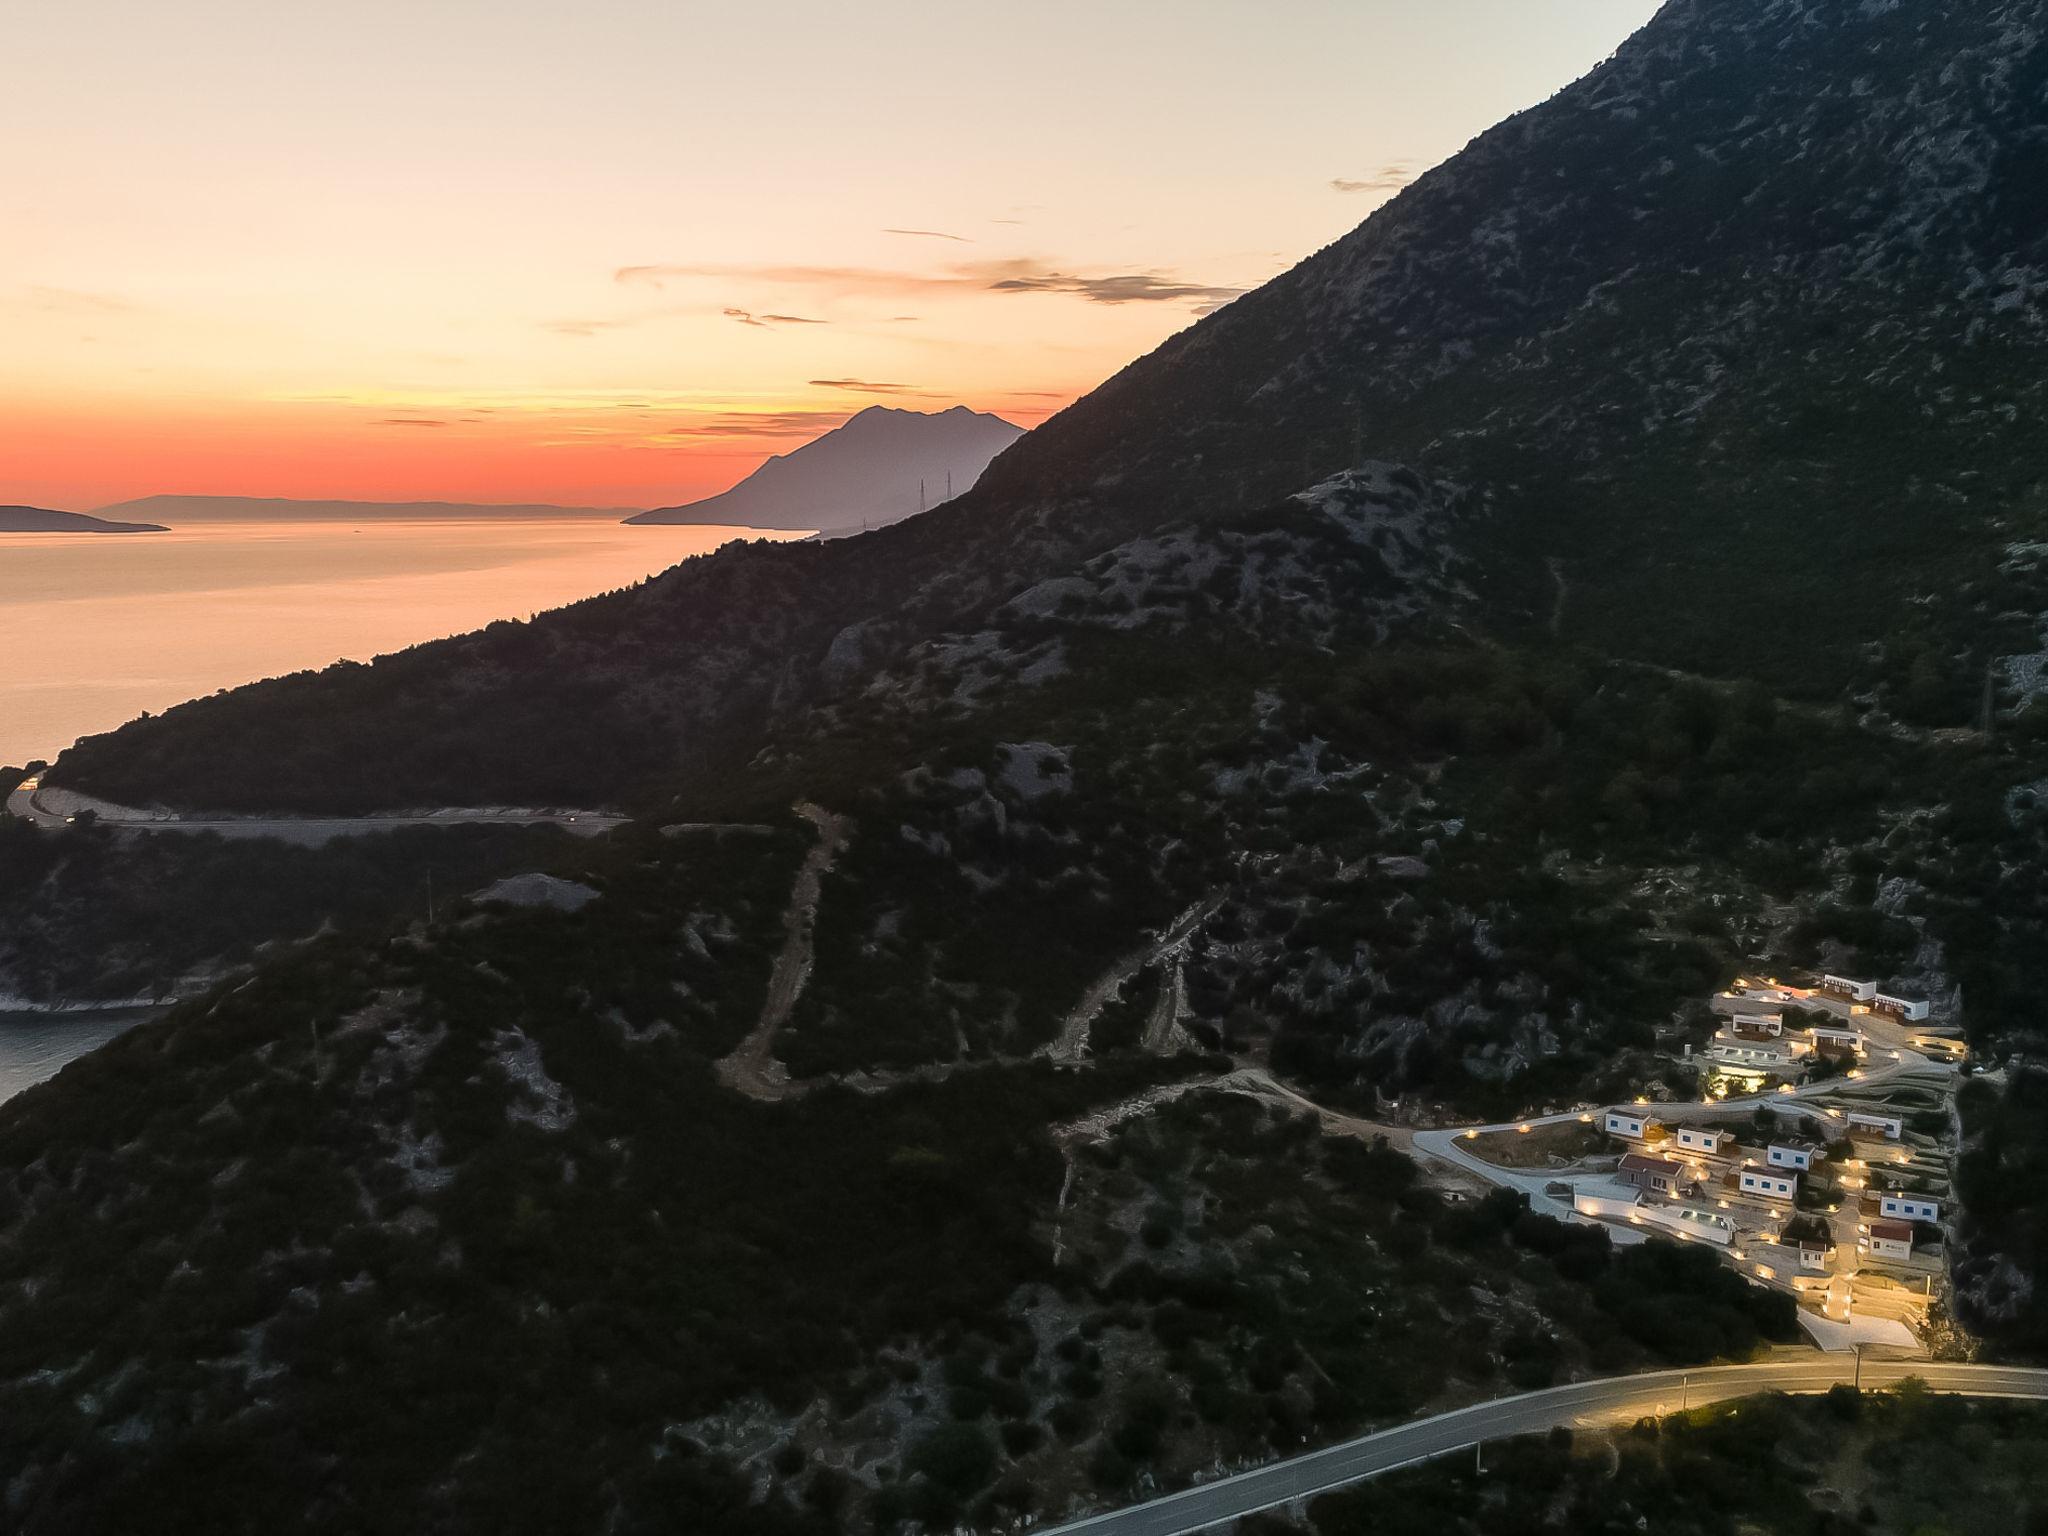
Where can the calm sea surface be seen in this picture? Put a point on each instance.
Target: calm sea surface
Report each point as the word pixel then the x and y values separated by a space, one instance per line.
pixel 97 628
pixel 36 1046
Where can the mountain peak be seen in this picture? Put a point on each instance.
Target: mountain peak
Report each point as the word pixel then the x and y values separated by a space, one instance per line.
pixel 883 464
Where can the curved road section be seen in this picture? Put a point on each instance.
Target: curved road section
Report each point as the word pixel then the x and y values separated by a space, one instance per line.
pixel 1618 1399
pixel 56 808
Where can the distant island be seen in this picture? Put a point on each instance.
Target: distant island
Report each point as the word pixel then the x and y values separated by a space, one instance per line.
pixel 882 466
pixel 285 509
pixel 43 520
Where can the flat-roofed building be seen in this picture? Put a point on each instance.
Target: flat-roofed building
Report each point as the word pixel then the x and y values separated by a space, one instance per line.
pixel 1868 1122
pixel 1768 1183
pixel 1700 1138
pixel 1799 1156
pixel 1909 1208
pixel 1766 1052
pixel 1635 1124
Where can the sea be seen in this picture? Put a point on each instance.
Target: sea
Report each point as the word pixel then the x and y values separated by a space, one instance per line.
pixel 96 629
pixel 35 1046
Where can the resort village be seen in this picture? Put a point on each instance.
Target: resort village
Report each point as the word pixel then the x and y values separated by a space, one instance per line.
pixel 1816 1155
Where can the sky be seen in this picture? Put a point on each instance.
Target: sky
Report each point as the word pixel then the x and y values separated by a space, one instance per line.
pixel 615 252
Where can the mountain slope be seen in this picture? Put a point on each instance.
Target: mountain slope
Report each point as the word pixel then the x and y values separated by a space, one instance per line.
pixel 1736 339
pixel 937 1156
pixel 42 520
pixel 882 466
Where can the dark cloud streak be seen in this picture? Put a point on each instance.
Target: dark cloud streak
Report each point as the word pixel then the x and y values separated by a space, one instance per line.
pixel 1015 275
pixel 1391 178
pixel 745 424
pixel 1116 288
pixel 866 387
pixel 767 322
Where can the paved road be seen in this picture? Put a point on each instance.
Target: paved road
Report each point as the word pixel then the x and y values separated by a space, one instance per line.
pixel 1620 1399
pixel 55 807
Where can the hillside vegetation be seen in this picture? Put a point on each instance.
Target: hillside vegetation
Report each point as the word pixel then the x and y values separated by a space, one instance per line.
pixel 1617 564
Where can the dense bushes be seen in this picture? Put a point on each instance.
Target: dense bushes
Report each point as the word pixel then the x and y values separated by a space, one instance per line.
pixel 91 913
pixel 2004 1227
pixel 1764 1465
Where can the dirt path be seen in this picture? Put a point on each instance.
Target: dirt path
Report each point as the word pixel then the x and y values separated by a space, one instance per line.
pixel 752 1069
pixel 1260 1083
pixel 1251 1081
pixel 54 808
pixel 1163 1034
pixel 1070 1046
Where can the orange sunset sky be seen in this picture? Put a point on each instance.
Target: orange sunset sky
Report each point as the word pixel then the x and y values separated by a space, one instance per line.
pixel 616 252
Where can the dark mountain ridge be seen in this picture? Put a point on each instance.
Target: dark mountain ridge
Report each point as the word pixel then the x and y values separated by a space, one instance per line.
pixel 1815 401
pixel 43 520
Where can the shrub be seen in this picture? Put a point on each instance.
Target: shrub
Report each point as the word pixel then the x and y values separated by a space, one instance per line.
pixel 957 1457
pixel 1021 1437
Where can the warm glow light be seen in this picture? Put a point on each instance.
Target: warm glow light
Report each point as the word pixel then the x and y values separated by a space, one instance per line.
pixel 619 254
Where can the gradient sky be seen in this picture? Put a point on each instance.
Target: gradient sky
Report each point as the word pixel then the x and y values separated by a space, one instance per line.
pixel 615 251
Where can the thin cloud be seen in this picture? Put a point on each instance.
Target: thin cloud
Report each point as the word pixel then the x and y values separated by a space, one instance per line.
pixel 408 421
pixel 837 279
pixel 582 327
pixel 731 425
pixel 1391 178
pixel 866 386
pixel 748 317
pixel 929 234
pixel 74 301
pixel 1115 288
pixel 1016 275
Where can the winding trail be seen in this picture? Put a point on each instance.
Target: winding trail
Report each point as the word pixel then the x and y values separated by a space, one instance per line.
pixel 55 808
pixel 752 1068
pixel 1070 1046
pixel 1163 1033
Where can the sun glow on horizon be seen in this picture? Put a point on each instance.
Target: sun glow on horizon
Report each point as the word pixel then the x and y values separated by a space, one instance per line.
pixel 620 253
